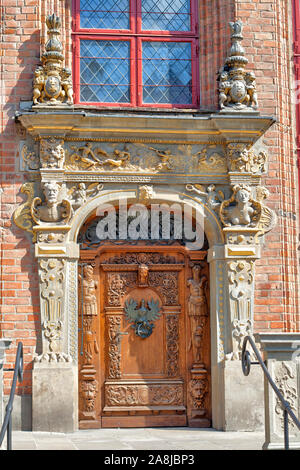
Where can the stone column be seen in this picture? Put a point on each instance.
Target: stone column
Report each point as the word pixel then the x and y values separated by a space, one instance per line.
pixel 55 372
pixel 282 355
pixel 232 267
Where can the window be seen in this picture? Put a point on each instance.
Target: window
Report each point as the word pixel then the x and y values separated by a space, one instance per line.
pixel 136 53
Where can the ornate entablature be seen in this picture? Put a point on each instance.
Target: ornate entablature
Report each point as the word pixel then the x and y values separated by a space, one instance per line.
pixel 77 160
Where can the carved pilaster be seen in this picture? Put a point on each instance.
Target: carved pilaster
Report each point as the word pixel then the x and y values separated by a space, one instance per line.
pixel 52 283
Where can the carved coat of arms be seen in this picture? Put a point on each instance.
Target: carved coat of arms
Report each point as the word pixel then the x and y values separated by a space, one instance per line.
pixel 142 317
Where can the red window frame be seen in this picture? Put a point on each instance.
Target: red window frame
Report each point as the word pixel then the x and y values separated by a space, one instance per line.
pixel 135 36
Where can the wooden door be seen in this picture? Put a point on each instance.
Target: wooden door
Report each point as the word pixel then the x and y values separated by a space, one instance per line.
pixel 141 362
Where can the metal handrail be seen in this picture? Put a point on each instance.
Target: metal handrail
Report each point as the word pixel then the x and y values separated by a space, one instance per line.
pixel 18 375
pixel 246 366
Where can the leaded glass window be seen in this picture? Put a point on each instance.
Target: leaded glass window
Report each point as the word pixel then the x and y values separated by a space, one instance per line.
pixel 136 53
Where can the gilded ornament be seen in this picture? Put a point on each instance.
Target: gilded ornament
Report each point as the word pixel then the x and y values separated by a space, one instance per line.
pixel 52 85
pixel 237 88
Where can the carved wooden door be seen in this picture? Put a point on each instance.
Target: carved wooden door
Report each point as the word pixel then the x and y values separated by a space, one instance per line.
pixel 140 364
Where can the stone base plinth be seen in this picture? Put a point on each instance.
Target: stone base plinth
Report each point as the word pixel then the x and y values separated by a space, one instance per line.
pixel 55 397
pixel 244 398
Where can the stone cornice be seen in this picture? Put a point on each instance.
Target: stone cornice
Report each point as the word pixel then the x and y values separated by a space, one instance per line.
pixel 184 127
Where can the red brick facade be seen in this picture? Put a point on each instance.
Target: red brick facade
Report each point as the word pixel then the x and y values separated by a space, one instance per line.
pixel 268 43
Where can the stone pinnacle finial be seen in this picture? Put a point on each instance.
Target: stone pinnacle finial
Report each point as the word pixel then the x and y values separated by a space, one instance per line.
pixel 237 88
pixel 52 82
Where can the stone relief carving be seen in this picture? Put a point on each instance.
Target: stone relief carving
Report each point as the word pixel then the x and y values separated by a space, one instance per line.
pixel 140 158
pixel 237 88
pixel 52 85
pixel 241 283
pixel 22 215
pixel 145 194
pixel 79 194
pixel 52 153
pixel 30 158
pixel 54 209
pixel 212 196
pixel 208 160
pixel 241 158
pixel 52 275
pixel 241 208
pixel 286 381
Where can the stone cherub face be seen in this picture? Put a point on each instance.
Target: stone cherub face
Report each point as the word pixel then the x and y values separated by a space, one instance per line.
pixel 242 196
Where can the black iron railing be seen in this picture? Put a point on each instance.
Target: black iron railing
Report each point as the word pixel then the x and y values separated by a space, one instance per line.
pixel 287 411
pixel 7 422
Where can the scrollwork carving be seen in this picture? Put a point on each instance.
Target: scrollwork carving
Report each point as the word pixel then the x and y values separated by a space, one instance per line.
pixel 51 289
pixel 172 338
pixel 144 395
pixel 114 347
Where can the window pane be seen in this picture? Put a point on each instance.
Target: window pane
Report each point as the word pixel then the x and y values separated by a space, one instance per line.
pixel 167 72
pixel 104 14
pixel 166 15
pixel 105 71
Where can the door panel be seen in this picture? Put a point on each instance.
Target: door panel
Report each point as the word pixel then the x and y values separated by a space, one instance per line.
pixel 140 343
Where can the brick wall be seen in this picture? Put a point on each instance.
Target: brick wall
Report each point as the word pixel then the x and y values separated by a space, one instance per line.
pixel 268 45
pixel 268 41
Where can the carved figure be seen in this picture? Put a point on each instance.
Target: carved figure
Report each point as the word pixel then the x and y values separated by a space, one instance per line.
pixel 88 154
pixel 38 84
pixel 143 274
pixel 166 163
pixel 53 210
pixel 52 153
pixel 197 310
pixel 122 158
pixel 240 209
pixel 88 288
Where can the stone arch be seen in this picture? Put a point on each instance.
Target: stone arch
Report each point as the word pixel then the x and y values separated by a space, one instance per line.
pixel 212 226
